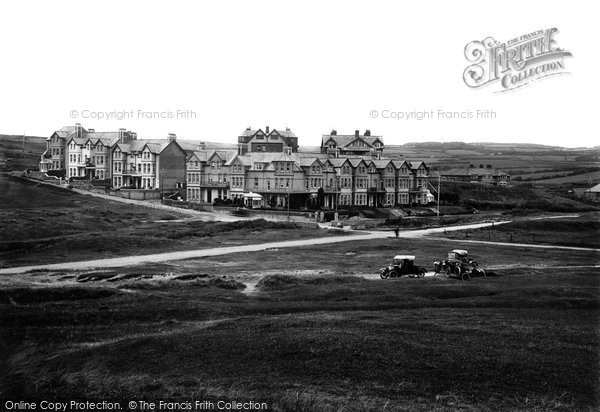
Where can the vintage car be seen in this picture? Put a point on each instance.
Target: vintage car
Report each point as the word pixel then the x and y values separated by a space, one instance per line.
pixel 458 264
pixel 402 265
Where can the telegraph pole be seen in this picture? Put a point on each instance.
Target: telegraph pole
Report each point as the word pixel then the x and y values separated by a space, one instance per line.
pixel 438 193
pixel 288 201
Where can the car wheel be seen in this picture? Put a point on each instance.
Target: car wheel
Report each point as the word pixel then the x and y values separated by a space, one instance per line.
pixel 422 272
pixel 456 271
pixel 481 272
pixel 385 274
pixel 448 272
pixel 393 274
pixel 465 276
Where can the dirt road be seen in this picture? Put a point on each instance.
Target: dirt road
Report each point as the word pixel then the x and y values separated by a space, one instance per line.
pixel 189 254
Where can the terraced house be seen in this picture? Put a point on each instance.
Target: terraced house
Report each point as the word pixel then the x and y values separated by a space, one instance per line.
pixel 267 167
pixel 349 170
pixel 117 158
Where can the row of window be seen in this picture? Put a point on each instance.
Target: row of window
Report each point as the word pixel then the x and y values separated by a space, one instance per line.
pixel 193 194
pixel 193 177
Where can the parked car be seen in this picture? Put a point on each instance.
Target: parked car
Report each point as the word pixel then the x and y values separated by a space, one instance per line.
pixel 458 264
pixel 402 265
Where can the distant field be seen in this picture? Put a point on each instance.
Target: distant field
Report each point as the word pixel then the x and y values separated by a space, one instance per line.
pixel 583 231
pixel 580 178
pixel 542 175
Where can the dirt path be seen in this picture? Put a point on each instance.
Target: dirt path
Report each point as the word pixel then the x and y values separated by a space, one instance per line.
pixel 189 254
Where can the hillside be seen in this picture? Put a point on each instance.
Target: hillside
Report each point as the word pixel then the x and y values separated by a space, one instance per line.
pixel 517 199
pixel 20 152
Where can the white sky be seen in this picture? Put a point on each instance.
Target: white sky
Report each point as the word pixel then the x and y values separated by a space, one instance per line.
pixel 307 65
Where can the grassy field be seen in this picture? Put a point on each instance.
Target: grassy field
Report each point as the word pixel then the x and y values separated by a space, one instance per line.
pixel 584 178
pixel 519 198
pixel 43 224
pixel 582 231
pixel 313 329
pixel 303 329
pixel 20 152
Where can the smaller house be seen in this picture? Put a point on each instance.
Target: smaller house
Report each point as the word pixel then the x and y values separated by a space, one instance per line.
pixel 593 193
pixel 485 175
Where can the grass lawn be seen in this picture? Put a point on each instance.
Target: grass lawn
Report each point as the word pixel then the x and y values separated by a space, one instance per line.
pixel 42 224
pixel 582 231
pixel 315 333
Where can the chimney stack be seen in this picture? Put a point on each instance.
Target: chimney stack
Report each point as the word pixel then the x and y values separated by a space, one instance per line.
pixel 133 135
pixel 367 132
pixel 91 130
pixel 356 133
pixel 78 129
pixel 202 146
pixel 171 137
pixel 121 134
pixel 267 130
pixel 334 132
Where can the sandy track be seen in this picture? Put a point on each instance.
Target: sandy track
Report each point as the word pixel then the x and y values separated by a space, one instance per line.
pixel 191 254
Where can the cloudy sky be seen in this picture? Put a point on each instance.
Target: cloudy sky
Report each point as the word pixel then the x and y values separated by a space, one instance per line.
pixel 310 66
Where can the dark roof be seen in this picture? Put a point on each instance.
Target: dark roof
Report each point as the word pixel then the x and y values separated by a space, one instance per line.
pixel 345 139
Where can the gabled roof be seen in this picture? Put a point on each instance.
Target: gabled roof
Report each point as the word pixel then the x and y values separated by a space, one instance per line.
pixel 78 140
pixel 400 163
pixel 283 133
pixel 309 161
pixel 221 154
pixel 382 163
pixel 195 156
pixel 339 161
pixel 356 161
pixel 416 165
pixel 344 141
pixel 594 189
pixel 243 159
pixel 284 157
